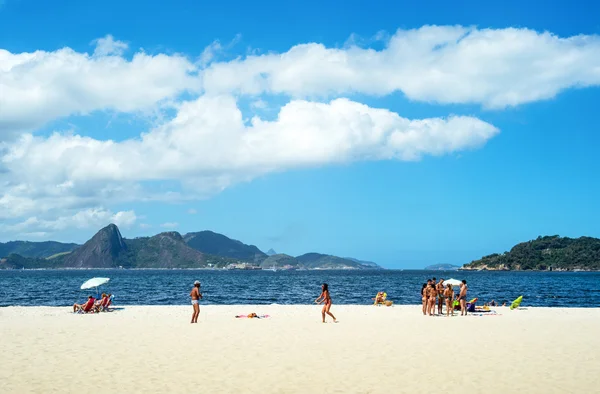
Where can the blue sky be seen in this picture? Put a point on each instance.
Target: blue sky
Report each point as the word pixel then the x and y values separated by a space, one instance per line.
pixel 167 84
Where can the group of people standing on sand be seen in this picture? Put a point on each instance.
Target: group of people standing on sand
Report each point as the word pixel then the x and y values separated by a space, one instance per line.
pixel 436 293
pixel 324 298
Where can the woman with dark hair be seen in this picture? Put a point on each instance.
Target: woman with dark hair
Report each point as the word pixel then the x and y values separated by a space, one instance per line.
pixel 449 297
pixel 424 298
pixel 325 299
pixel 432 297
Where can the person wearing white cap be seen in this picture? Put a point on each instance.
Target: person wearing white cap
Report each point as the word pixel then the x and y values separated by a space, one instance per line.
pixel 196 296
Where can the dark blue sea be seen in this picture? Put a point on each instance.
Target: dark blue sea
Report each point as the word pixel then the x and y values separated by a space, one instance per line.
pixel 171 287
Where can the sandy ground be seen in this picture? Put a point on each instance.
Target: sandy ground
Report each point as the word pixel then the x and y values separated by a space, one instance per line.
pixel 371 350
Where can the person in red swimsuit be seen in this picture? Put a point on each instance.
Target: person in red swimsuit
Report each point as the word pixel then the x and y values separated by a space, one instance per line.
pixel 325 299
pixel 87 307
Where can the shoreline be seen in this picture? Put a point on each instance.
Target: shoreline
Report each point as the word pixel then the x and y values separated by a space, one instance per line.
pixel 205 305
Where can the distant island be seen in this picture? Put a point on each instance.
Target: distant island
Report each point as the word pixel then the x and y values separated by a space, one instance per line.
pixel 549 253
pixel 442 267
pixel 168 250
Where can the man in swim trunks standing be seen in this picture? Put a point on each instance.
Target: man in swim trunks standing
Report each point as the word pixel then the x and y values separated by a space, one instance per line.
pixel 196 296
pixel 462 298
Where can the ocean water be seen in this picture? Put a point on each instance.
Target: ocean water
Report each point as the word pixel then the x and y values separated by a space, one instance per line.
pixel 171 287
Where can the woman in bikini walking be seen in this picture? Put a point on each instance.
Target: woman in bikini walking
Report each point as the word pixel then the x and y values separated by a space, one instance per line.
pixel 325 299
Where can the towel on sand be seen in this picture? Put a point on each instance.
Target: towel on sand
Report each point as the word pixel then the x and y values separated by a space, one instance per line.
pixel 252 316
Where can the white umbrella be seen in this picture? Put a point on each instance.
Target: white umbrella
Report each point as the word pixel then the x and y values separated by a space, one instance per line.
pixel 453 282
pixel 94 282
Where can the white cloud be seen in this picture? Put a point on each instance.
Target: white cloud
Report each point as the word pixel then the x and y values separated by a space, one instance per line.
pixel 124 218
pixel 214 49
pixel 51 183
pixel 42 86
pixel 145 226
pixel 445 64
pixel 170 225
pixel 109 46
pixel 91 218
pixel 192 211
pixel 207 147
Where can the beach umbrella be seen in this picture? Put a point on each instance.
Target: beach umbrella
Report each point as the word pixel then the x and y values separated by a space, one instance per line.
pixel 94 282
pixel 453 282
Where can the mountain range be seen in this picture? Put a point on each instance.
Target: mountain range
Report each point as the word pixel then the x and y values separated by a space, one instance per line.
pixel 204 249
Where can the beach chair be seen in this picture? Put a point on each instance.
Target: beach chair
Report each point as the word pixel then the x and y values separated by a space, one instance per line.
pixel 516 303
pixel 109 302
pixel 104 304
pixel 88 307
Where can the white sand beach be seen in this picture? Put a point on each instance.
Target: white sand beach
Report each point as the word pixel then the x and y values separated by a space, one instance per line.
pixel 371 350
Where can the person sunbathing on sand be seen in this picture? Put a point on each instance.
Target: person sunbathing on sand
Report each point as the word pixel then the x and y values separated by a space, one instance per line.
pixel 325 298
pixel 379 298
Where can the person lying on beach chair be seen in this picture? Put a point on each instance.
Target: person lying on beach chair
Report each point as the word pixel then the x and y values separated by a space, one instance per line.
pixel 87 307
pixel 101 303
pixel 108 302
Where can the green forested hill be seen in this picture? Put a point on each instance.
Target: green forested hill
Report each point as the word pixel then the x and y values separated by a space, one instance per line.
pixel 35 249
pixel 220 245
pixel 545 253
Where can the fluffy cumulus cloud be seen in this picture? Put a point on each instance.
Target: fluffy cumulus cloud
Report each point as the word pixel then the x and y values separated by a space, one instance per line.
pixel 208 146
pixel 66 180
pixel 91 218
pixel 444 64
pixel 42 86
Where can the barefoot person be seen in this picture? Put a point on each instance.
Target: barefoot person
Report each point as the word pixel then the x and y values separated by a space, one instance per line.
pixel 449 297
pixel 462 298
pixel 432 295
pixel 424 298
pixel 196 296
pixel 86 307
pixel 440 300
pixel 325 299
